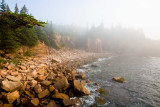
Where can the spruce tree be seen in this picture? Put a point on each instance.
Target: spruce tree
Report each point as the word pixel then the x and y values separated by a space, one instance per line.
pixel 17 30
pixel 16 9
pixel 3 6
pixel 8 9
pixel 41 35
pixel 24 10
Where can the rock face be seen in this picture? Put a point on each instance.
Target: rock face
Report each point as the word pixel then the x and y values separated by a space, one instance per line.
pixel 60 96
pixel 10 85
pixel 79 89
pixel 119 79
pixel 72 102
pixel 62 83
pixel 11 97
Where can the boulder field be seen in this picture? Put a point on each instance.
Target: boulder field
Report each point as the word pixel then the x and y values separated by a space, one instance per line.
pixel 48 81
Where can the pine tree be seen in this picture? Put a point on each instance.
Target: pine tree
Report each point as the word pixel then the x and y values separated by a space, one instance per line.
pixel 8 9
pixel 16 9
pixel 3 6
pixel 24 10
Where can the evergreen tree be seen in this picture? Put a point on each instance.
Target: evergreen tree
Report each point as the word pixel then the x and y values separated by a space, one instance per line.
pixel 3 6
pixel 27 36
pixel 16 9
pixel 24 10
pixel 42 35
pixel 17 30
pixel 8 9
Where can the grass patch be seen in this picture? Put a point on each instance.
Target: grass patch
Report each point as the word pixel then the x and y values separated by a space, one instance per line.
pixel 27 53
pixel 15 61
pixel 4 61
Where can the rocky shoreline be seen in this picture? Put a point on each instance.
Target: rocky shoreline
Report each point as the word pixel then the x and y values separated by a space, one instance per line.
pixel 48 81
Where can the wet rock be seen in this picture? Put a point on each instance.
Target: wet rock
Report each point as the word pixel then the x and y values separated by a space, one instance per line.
pixel 60 96
pixel 79 89
pixel 12 78
pixel 29 94
pixel 38 88
pixel 70 71
pixel 8 105
pixel 96 84
pixel 33 83
pixel 102 91
pixel 62 83
pixel 80 75
pixel 94 65
pixel 44 93
pixel 51 104
pixel 71 102
pixel 35 101
pixel 45 82
pixel 100 101
pixel 10 85
pixel 88 81
pixel 11 97
pixel 119 79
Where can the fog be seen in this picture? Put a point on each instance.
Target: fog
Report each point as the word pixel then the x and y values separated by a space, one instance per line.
pixel 118 39
pixel 120 26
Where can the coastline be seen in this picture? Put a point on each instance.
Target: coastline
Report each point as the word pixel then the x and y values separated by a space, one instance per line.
pixel 46 80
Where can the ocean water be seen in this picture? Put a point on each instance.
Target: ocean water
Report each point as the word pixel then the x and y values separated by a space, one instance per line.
pixel 142 86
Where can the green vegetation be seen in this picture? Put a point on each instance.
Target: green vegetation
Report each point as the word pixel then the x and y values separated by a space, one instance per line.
pixel 18 29
pixel 27 53
pixel 15 61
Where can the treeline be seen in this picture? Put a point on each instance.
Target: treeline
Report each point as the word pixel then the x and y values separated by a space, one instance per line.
pixel 18 28
pixel 116 39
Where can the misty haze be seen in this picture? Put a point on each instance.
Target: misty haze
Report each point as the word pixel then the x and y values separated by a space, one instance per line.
pixel 79 53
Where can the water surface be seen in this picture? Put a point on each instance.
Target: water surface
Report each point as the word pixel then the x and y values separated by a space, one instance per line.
pixel 142 74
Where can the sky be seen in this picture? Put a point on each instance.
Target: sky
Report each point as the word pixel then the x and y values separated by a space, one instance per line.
pixel 139 14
